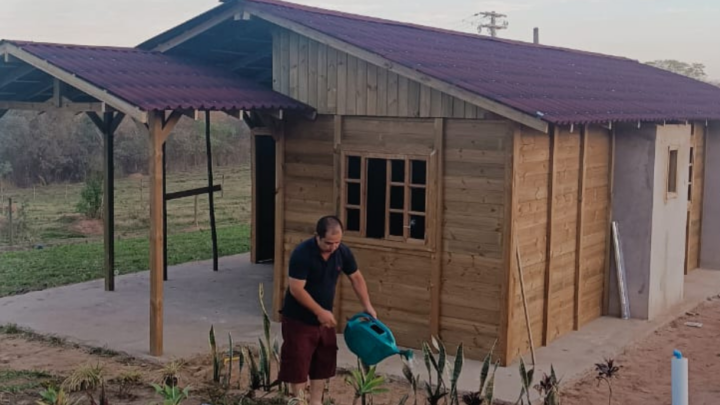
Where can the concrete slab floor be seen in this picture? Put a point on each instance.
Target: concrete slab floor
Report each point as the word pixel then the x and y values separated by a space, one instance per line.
pixel 196 297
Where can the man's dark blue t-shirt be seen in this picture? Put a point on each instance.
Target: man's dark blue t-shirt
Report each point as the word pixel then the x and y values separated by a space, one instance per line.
pixel 307 263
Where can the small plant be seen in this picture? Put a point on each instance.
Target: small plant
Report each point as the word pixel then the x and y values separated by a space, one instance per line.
pixel 269 350
pixel 53 396
pixel 439 391
pixel 549 388
pixel 487 383
pixel 215 356
pixel 526 379
pixel 88 379
pixel 412 378
pixel 172 395
pixel 91 197
pixel 170 373
pixel 126 382
pixel 366 383
pixel 606 372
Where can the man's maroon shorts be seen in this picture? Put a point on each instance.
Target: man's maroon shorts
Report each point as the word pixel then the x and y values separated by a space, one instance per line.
pixel 307 350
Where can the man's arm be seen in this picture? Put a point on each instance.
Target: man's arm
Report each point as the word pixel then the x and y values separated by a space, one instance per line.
pixel 297 289
pixel 358 283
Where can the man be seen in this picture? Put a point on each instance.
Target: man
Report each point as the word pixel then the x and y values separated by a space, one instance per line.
pixel 308 325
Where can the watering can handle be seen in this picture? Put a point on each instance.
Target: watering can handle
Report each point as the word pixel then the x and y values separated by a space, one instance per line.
pixel 360 315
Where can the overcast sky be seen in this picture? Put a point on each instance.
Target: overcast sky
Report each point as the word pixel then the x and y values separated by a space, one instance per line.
pixel 645 30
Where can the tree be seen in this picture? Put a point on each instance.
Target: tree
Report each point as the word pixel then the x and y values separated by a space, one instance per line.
pixel 692 70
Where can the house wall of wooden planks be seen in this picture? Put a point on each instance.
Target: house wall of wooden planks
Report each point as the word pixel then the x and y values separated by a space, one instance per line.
pixel 488 183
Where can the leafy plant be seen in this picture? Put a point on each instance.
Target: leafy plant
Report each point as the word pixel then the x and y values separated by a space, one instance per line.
pixel 487 383
pixel 439 391
pixel 526 378
pixel 412 378
pixel 606 372
pixel 269 350
pixel 365 383
pixel 215 357
pixel 53 396
pixel 549 388
pixel 172 395
pixel 91 197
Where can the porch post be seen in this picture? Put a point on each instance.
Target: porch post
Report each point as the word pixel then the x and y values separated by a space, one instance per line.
pixel 155 121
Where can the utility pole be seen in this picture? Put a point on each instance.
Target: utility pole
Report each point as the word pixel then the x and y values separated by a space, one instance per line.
pixel 494 25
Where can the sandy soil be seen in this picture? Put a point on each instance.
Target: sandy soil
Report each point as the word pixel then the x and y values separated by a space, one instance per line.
pixel 645 374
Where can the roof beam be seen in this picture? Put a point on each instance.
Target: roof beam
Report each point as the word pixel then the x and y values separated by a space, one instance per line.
pixel 199 29
pixel 46 107
pixel 71 79
pixel 443 86
pixel 16 74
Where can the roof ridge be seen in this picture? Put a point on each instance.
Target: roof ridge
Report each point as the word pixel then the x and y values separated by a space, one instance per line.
pixel 360 17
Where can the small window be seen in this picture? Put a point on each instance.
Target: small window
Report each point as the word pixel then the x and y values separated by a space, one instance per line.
pixel 672 179
pixel 386 198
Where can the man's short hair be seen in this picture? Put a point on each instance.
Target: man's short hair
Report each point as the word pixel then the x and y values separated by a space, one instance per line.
pixel 327 222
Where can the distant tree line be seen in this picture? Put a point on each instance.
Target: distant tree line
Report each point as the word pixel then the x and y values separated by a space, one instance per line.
pixel 60 147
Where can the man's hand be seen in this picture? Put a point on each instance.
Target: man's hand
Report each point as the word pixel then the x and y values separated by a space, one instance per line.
pixel 326 318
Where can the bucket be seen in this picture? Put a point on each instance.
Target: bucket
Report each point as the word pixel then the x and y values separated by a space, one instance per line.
pixel 370 340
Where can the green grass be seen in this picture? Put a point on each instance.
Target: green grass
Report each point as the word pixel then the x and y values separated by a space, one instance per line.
pixel 51 216
pixel 15 381
pixel 32 270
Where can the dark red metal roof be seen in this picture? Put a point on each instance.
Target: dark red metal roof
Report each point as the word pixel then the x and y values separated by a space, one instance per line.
pixel 558 85
pixel 154 81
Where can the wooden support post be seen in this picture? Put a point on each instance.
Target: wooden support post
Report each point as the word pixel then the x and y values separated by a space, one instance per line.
pixel 579 263
pixel 10 221
pixel 253 203
pixel 608 238
pixel 337 181
pixel 437 257
pixel 156 235
pixel 159 129
pixel 279 265
pixel 109 215
pixel 549 252
pixel 512 159
pixel 211 197
pixel 164 194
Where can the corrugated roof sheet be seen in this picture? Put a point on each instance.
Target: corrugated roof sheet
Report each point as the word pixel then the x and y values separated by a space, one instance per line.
pixel 561 86
pixel 154 81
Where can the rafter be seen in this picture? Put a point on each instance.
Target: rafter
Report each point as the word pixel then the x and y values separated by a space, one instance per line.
pixel 199 29
pixel 45 107
pixel 16 74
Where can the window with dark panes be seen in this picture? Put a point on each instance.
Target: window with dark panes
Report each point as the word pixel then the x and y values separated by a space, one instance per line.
pixel 385 197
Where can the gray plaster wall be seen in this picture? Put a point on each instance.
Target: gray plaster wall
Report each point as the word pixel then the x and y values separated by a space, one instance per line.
pixel 710 239
pixel 632 207
pixel 669 220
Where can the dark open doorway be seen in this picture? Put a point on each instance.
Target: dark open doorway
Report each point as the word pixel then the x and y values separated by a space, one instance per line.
pixel 264 186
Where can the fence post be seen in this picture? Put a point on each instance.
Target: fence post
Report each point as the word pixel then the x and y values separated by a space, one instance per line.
pixel 196 211
pixel 222 186
pixel 10 224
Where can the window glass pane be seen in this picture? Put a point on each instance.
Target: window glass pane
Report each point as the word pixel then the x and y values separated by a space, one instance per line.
pixel 417 200
pixel 376 197
pixel 353 193
pixel 398 171
pixel 419 172
pixel 353 167
pixel 397 197
pixel 672 172
pixel 417 227
pixel 396 224
pixel 353 220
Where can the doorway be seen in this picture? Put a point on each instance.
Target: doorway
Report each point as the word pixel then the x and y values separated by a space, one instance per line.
pixel 264 185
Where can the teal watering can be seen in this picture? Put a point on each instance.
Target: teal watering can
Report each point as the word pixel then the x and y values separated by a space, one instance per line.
pixel 370 340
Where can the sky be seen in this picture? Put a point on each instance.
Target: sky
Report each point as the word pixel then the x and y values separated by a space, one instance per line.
pixel 644 30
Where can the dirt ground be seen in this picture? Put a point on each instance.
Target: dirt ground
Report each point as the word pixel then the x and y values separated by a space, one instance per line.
pixel 644 377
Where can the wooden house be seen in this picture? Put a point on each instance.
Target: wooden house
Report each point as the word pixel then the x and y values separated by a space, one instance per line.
pixel 452 158
pixel 473 174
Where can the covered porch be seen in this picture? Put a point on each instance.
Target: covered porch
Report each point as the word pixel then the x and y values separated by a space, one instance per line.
pixel 110 84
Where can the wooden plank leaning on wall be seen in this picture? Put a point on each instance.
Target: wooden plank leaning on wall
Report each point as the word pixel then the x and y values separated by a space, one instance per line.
pixel 279 265
pixel 437 224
